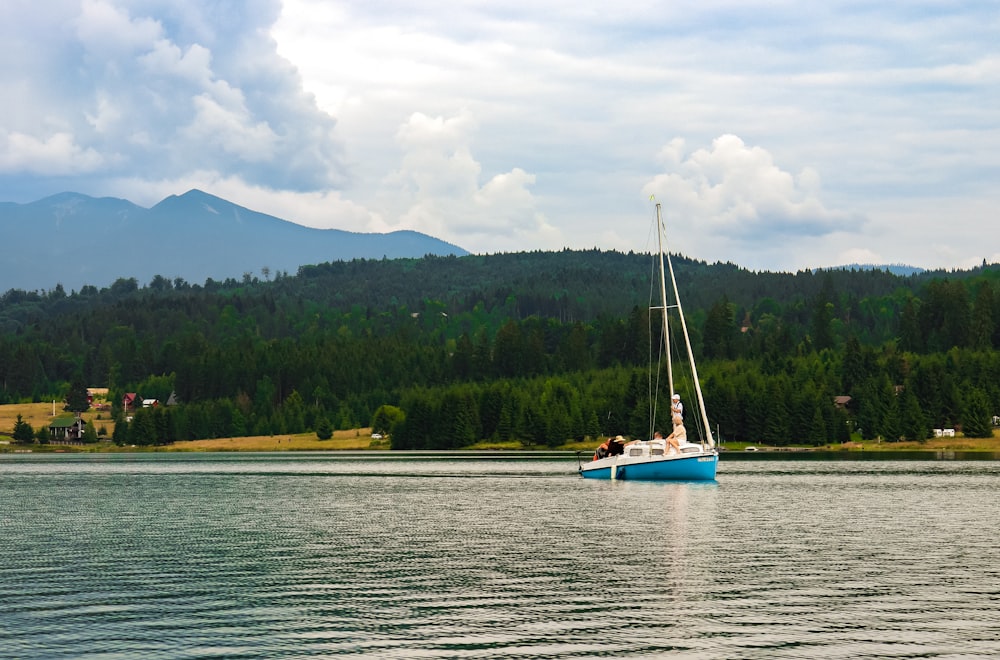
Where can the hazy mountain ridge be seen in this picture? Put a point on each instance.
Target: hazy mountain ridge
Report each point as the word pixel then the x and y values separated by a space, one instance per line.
pixel 73 239
pixel 903 270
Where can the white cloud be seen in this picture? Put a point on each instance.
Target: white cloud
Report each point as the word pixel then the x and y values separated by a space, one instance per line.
pixel 523 125
pixel 58 154
pixel 108 32
pixel 166 59
pixel 740 190
pixel 230 130
pixel 437 190
pixel 106 115
pixel 158 89
pixel 861 256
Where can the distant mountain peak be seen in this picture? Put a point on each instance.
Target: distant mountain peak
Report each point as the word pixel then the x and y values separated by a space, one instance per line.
pixel 194 236
pixel 197 195
pixel 193 196
pixel 63 197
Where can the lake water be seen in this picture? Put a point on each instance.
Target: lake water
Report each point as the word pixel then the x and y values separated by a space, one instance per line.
pixel 377 556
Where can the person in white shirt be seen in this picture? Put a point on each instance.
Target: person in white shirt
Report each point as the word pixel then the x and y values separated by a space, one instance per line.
pixel 676 407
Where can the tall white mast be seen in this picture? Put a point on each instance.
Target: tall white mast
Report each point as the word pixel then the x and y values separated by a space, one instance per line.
pixel 663 300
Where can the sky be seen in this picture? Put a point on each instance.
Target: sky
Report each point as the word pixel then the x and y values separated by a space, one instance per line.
pixel 776 135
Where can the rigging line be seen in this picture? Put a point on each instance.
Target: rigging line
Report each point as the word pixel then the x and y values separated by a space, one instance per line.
pixel 652 384
pixel 700 408
pixel 703 414
pixel 658 303
pixel 663 347
pixel 656 373
pixel 692 420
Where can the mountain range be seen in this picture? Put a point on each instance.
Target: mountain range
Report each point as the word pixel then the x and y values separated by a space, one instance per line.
pixel 903 270
pixel 73 240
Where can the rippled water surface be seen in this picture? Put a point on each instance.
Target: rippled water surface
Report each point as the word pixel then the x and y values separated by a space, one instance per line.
pixel 296 556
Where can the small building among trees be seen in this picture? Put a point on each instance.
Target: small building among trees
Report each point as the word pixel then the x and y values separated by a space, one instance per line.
pixel 66 429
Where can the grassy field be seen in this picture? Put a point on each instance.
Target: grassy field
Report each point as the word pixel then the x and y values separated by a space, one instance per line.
pixel 40 414
pixel 354 439
pixel 959 443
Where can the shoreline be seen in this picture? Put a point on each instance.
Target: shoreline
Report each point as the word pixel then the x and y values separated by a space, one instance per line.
pixel 358 440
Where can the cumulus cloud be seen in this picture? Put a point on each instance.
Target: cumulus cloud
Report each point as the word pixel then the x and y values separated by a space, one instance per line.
pixel 741 191
pixel 491 125
pixel 107 32
pixel 231 131
pixel 56 154
pixel 158 89
pixel 438 190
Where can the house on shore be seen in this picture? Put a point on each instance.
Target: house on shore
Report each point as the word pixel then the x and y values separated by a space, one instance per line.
pixel 66 430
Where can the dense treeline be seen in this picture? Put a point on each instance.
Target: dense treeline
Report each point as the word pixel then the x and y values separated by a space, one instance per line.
pixel 538 347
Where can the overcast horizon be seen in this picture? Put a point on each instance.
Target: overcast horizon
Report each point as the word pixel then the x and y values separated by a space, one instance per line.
pixel 777 136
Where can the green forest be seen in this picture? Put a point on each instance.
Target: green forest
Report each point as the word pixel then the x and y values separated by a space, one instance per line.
pixel 535 347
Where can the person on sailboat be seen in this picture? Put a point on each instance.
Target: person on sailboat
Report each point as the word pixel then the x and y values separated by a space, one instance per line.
pixel 610 447
pixel 678 435
pixel 602 451
pixel 676 407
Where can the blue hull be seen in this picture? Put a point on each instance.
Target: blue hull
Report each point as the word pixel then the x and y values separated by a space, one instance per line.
pixel 694 468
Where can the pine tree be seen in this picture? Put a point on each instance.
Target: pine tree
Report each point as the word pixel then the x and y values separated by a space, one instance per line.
pixel 460 418
pixel 720 330
pixel 23 432
pixel 120 435
pixel 77 398
pixel 508 351
pixel 983 323
pixel 532 429
pixel 142 430
pixel 911 335
pixel 822 331
pixel 776 430
pixel 323 429
pixel 892 425
pixel 816 435
pixel 505 426
pixel 913 422
pixel 464 357
pixel 871 410
pixel 977 420
pixel 852 370
pixel 558 430
pixel 89 432
pixel 491 400
pixel 591 425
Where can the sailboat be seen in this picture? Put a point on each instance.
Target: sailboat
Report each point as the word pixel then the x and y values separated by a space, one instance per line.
pixel 656 459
